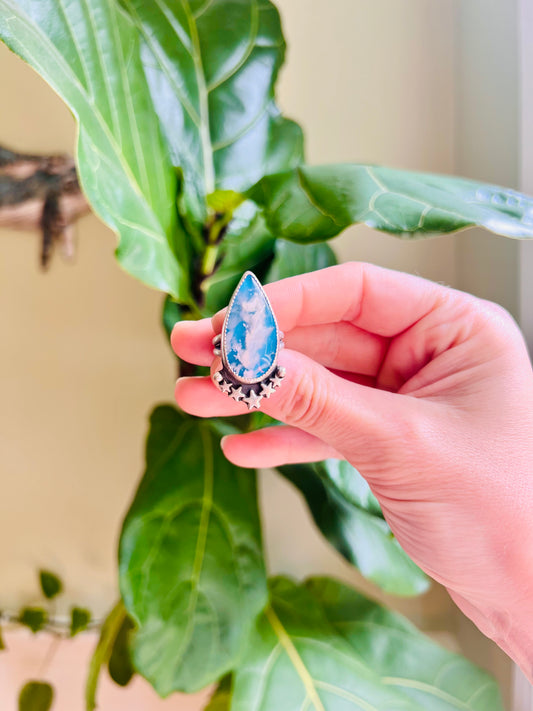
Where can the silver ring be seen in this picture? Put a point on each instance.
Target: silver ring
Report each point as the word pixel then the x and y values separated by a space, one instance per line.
pixel 249 346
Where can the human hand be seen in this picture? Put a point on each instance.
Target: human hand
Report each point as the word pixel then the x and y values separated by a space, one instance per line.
pixel 428 392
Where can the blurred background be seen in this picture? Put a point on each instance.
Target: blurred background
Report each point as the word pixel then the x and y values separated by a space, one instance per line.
pixel 438 86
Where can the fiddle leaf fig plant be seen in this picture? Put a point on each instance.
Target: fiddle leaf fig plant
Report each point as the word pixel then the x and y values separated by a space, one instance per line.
pixel 184 153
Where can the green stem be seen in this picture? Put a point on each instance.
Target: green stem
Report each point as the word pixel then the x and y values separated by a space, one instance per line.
pixel 209 260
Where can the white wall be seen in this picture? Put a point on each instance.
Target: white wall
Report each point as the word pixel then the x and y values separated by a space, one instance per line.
pixel 487 136
pixel 526 162
pixel 374 82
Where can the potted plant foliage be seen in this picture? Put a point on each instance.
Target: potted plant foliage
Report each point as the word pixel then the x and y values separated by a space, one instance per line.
pixel 183 152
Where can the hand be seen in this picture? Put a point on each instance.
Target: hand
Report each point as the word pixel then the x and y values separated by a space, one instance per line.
pixel 428 392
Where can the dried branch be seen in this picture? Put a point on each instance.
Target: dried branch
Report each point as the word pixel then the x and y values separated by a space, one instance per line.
pixel 41 192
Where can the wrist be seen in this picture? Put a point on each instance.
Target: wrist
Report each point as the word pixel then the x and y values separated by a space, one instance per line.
pixel 505 613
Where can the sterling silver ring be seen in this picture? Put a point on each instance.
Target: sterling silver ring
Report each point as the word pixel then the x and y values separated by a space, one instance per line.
pixel 249 346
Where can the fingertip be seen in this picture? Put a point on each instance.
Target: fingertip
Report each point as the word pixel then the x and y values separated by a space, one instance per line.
pixel 178 388
pixel 175 336
pixel 192 341
pixel 228 449
pixel 232 449
pixel 274 446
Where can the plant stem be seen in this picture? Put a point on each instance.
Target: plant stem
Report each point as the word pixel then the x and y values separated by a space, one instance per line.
pixel 209 260
pixel 58 626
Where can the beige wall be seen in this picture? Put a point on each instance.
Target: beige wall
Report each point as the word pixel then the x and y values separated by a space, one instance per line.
pixel 82 356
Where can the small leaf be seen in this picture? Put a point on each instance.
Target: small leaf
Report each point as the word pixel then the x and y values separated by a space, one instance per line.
pixel 221 697
pixel 79 620
pixel 120 664
pixel 33 617
pixel 51 585
pixel 190 560
pixel 314 203
pixel 349 516
pixel 291 259
pixel 102 652
pixel 36 696
pixel 224 201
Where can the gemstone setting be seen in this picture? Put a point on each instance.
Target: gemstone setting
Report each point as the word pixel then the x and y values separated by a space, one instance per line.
pixel 249 346
pixel 250 339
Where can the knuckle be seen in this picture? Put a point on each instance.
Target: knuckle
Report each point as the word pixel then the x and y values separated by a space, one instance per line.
pixel 305 401
pixel 497 324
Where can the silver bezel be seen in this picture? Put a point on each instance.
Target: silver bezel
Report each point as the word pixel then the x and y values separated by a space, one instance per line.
pixel 249 381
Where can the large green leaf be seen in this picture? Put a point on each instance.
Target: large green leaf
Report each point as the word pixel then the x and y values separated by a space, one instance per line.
pixel 348 514
pixel 291 259
pixel 88 51
pixel 307 653
pixel 211 66
pixel 191 568
pixel 404 658
pixel 313 203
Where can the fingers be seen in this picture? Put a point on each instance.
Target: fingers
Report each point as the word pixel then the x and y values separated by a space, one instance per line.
pixel 341 346
pixel 192 341
pixel 274 446
pixel 346 416
pixel 377 300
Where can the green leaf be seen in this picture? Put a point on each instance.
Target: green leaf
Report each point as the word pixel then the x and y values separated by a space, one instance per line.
pixel 291 259
pixel 405 659
pixel 171 314
pixel 88 51
pixel 211 67
pixel 313 203
pixel 300 657
pixel 248 244
pixel 191 568
pixel 224 201
pixel 36 696
pixel 33 617
pixel 120 664
pixel 79 620
pixel 221 698
pixel 51 585
pixel 102 652
pixel 349 516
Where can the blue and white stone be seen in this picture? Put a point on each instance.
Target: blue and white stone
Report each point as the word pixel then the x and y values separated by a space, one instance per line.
pixel 250 337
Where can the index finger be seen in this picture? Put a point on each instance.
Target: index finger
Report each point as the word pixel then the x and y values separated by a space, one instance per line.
pixel 378 300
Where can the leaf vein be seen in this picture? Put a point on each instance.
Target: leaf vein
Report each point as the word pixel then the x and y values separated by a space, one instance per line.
pixel 254 27
pixel 296 660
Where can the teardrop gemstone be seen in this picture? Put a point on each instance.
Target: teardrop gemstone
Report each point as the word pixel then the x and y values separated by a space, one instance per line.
pixel 250 333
